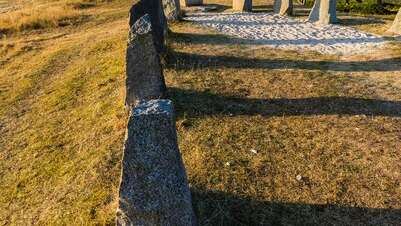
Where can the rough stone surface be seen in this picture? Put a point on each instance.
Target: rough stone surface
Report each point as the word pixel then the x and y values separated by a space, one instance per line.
pixel 242 5
pixel 396 27
pixel 186 3
pixel 171 9
pixel 144 79
pixel 154 9
pixel 283 7
pixel 323 12
pixel 154 188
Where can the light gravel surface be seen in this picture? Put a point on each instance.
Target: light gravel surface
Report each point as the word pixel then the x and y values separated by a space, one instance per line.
pixel 271 30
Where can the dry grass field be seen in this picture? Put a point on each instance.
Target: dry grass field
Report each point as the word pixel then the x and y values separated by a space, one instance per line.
pixel 268 137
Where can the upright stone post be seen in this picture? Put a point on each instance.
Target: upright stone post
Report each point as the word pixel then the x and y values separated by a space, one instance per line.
pixel 154 9
pixel 186 3
pixel 172 9
pixel 396 27
pixel 323 12
pixel 154 189
pixel 242 5
pixel 283 7
pixel 145 78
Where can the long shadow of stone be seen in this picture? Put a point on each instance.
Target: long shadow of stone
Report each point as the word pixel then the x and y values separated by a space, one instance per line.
pixel 219 208
pixel 198 104
pixel 262 8
pixel 359 21
pixel 186 61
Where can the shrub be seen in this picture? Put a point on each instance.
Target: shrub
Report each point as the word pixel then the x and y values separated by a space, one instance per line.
pixel 361 6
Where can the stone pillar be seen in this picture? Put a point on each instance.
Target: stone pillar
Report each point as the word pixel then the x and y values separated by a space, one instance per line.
pixel 186 3
pixel 172 9
pixel 157 18
pixel 154 189
pixel 242 5
pixel 323 12
pixel 396 27
pixel 145 78
pixel 283 7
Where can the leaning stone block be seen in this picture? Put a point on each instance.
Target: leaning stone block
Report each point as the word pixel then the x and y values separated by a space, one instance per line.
pixel 396 27
pixel 171 9
pixel 154 189
pixel 186 3
pixel 145 78
pixel 283 7
pixel 323 12
pixel 242 5
pixel 154 9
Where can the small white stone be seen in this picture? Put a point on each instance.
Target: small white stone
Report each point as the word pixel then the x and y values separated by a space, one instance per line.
pixel 253 151
pixel 298 177
pixel 228 164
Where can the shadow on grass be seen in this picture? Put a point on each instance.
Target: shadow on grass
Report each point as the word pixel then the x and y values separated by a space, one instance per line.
pixel 186 61
pixel 262 8
pixel 202 8
pixel 359 21
pixel 219 208
pixel 197 104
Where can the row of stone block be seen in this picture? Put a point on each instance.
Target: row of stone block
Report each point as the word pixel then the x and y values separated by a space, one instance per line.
pixel 323 11
pixel 153 188
pixel 396 26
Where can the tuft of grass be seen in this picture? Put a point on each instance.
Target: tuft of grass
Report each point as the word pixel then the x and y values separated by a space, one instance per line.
pixel 84 4
pixel 35 17
pixel 45 15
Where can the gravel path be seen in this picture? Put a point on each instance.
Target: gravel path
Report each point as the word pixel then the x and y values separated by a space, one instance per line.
pixel 275 31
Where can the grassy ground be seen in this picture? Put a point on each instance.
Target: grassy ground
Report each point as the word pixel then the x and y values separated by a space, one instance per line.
pixel 324 129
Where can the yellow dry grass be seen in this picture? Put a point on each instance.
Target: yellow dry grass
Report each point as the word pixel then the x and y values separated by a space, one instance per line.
pixel 325 128
pixel 35 17
pixel 43 14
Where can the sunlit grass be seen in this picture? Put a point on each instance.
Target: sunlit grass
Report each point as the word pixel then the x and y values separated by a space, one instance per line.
pixel 62 126
pixel 39 15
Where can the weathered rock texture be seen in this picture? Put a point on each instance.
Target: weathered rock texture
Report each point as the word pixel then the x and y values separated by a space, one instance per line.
pixel 283 7
pixel 154 188
pixel 324 12
pixel 396 27
pixel 242 5
pixel 172 9
pixel 145 78
pixel 186 3
pixel 154 9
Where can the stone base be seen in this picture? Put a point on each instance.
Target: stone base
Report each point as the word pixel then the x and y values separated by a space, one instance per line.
pixel 186 3
pixel 283 7
pixel 396 27
pixel 323 12
pixel 242 5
